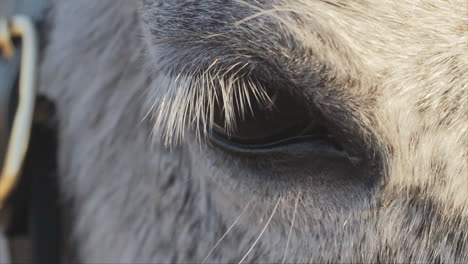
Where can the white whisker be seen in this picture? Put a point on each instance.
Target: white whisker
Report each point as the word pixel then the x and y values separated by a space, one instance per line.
pixel 262 232
pixel 261 11
pixel 291 228
pixel 227 232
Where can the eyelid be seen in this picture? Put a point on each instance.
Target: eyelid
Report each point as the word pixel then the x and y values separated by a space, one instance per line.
pixel 307 143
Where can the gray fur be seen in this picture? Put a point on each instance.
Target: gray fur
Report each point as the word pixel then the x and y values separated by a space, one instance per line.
pixel 391 74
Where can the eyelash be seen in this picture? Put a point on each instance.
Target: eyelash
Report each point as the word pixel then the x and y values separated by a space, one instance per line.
pixel 189 100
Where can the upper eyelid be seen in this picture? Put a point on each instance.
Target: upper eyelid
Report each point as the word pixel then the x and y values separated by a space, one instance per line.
pixel 203 74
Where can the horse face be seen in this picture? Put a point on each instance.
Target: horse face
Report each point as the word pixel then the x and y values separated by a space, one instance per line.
pixel 262 131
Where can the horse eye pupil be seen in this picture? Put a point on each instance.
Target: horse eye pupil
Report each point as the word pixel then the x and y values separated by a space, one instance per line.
pixel 264 123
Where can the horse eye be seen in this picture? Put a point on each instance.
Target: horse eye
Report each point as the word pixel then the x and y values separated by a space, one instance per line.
pixel 264 124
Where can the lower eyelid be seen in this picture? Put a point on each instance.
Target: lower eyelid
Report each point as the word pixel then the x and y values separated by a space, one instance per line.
pixel 269 147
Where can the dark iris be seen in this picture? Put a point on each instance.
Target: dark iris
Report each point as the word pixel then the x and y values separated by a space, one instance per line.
pixel 267 123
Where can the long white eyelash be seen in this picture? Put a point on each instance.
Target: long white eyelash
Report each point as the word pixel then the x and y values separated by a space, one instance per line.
pixel 189 99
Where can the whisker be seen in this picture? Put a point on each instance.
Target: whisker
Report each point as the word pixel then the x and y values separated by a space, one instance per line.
pixel 290 229
pixel 212 35
pixel 262 232
pixel 249 5
pixel 227 231
pixel 261 11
